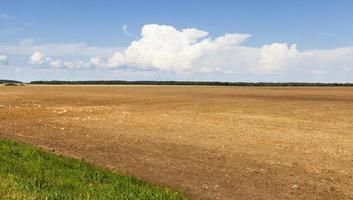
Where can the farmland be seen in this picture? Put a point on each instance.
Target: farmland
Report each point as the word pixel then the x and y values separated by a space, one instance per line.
pixel 209 142
pixel 30 173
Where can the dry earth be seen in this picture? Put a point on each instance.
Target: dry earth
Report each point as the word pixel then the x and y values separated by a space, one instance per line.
pixel 210 142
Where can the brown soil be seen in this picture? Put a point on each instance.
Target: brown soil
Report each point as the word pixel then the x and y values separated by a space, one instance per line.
pixel 209 142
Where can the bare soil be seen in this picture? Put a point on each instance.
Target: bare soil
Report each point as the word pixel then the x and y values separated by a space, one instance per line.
pixel 209 142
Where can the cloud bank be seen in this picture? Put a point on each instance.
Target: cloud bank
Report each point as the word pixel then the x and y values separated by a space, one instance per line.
pixel 166 49
pixel 191 50
pixel 39 58
pixel 28 47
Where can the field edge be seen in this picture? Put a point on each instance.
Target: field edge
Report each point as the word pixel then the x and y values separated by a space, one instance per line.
pixel 30 172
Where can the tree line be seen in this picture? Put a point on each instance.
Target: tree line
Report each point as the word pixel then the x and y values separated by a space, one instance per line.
pixel 210 83
pixel 2 81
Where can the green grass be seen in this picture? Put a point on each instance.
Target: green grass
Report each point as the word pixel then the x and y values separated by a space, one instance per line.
pixel 30 173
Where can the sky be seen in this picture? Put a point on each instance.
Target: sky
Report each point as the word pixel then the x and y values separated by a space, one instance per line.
pixel 252 40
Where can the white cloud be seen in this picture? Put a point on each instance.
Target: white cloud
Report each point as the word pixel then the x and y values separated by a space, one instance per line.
pixel 38 58
pixel 56 63
pixel 190 50
pixel 117 60
pixel 96 62
pixel 277 55
pixel 28 46
pixel 4 60
pixel 166 48
pixel 126 32
pixel 76 64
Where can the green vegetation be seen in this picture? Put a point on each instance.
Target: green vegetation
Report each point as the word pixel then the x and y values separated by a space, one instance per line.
pixel 10 84
pixel 121 82
pixel 29 173
pixel 211 83
pixel 8 81
pixel 14 84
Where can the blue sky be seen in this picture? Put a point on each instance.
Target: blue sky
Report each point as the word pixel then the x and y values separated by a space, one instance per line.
pixel 77 31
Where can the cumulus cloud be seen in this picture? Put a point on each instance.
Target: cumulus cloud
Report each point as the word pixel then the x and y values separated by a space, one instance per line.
pixel 3 60
pixel 39 58
pixel 191 50
pixel 167 49
pixel 96 62
pixel 277 55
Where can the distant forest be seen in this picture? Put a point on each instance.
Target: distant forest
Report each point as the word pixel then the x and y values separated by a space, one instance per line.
pixel 8 81
pixel 211 83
